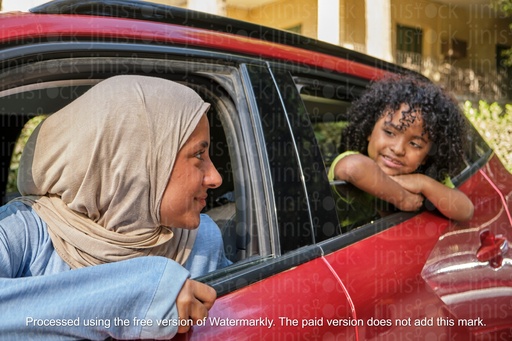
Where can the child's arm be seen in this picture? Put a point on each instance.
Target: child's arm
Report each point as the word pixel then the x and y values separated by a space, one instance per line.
pixel 365 174
pixel 449 201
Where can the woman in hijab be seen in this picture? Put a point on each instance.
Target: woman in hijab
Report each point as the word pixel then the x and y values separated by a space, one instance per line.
pixel 120 173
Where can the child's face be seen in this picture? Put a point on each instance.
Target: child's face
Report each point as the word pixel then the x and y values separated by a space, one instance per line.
pixel 398 143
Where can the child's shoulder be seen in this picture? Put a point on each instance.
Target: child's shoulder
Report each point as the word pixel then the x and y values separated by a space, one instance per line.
pixel 330 174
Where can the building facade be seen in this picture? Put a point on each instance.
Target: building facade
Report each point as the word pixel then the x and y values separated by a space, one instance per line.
pixel 456 43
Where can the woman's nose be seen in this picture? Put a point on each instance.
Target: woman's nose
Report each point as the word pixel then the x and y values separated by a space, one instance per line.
pixel 212 179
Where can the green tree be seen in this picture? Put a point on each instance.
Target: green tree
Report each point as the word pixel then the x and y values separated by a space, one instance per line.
pixel 494 122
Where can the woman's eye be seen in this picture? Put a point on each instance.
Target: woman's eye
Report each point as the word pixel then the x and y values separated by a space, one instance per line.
pixel 199 155
pixel 388 132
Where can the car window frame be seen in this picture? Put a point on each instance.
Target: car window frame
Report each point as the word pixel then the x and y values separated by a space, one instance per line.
pixel 480 152
pixel 243 135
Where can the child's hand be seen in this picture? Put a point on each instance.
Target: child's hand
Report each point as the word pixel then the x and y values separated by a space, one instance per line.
pixel 411 202
pixel 449 201
pixel 411 182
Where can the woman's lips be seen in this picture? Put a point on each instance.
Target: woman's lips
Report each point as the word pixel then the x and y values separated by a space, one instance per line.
pixel 201 201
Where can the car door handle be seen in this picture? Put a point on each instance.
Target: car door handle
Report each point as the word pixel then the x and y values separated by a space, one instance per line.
pixel 492 248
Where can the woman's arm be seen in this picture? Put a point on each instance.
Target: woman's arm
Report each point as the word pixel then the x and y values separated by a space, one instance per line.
pixel 44 300
pixel 451 202
pixel 365 174
pixel 133 299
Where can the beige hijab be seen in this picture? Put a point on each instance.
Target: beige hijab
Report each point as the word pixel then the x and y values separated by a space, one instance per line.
pixel 96 170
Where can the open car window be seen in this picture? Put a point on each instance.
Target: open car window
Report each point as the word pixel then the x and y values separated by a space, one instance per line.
pixel 327 102
pixel 24 106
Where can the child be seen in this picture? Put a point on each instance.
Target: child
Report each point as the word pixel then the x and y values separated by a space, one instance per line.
pixel 404 142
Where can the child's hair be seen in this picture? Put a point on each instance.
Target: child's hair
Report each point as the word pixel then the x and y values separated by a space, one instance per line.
pixel 442 120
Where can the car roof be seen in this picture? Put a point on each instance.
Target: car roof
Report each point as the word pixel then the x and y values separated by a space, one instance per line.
pixel 199 29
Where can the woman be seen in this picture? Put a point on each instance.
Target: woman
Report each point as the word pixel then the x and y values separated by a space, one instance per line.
pixel 120 173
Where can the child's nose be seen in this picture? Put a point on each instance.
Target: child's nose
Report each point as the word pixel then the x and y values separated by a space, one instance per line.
pixel 398 147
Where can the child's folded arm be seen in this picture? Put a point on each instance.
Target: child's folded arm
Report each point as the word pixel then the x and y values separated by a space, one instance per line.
pixel 365 174
pixel 451 202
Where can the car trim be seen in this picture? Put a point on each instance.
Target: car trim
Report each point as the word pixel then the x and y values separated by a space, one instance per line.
pixel 79 28
pixel 251 271
pixel 252 121
pixel 296 154
pixel 160 13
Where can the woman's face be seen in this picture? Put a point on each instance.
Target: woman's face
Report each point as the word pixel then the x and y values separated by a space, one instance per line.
pixel 193 174
pixel 398 143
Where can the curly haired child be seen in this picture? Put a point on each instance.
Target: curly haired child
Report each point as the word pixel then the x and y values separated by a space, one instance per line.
pixel 404 142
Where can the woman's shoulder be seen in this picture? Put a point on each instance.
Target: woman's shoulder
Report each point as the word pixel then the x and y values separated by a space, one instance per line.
pixel 20 214
pixel 25 245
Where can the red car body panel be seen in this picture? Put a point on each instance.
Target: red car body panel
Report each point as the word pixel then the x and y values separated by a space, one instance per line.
pixel 18 26
pixel 381 277
pixel 381 289
pixel 308 294
pixel 385 300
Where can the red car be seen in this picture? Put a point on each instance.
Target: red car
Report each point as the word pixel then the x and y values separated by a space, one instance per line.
pixel 278 102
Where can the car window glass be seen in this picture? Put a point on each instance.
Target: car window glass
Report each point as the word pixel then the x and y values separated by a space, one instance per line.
pixel 22 109
pixel 327 104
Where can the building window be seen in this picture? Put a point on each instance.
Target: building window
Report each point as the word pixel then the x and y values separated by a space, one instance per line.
pixel 409 39
pixel 454 48
pixel 504 67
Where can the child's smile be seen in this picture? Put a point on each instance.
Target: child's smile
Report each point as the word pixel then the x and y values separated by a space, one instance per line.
pixel 398 142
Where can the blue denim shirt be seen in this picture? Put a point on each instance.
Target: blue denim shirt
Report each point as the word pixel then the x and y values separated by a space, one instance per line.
pixel 42 299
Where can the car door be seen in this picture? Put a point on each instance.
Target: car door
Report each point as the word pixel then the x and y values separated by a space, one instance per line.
pixel 416 276
pixel 470 267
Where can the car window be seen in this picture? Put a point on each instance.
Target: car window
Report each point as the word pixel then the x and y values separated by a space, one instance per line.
pixel 327 102
pixel 24 106
pixel 22 109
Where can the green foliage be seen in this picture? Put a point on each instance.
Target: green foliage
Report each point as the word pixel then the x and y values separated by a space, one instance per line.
pixel 494 123
pixel 503 5
pixel 328 136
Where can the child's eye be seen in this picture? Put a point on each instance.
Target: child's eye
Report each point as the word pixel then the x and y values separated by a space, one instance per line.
pixel 388 132
pixel 416 145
